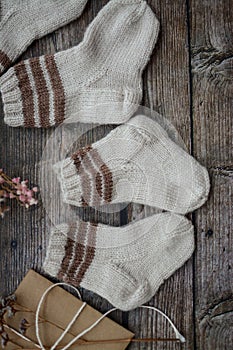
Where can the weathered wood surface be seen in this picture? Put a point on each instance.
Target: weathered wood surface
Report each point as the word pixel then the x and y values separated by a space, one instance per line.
pixel 212 68
pixel 188 80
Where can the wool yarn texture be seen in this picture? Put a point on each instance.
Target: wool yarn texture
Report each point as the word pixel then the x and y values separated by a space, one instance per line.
pixel 125 265
pixel 98 81
pixel 24 21
pixel 136 162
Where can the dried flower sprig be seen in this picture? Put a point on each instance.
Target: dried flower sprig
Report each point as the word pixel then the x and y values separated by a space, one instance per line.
pixel 6 308
pixel 14 188
pixel 9 306
pixel 23 326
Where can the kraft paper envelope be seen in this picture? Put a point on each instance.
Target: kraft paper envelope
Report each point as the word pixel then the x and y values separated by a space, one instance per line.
pixel 58 308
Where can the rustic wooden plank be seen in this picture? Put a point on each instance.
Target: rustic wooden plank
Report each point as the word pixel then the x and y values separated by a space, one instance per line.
pixel 23 234
pixel 211 49
pixel 166 90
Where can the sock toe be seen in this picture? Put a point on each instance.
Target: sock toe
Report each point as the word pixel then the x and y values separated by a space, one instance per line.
pixel 181 184
pixel 200 189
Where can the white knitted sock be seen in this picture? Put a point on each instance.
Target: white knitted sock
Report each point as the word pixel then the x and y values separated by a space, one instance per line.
pixel 136 162
pixel 126 265
pixel 98 81
pixel 27 20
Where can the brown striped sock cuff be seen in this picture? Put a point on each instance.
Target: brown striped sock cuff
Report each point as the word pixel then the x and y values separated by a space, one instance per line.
pixel 85 179
pixel 33 93
pixel 96 177
pixel 71 251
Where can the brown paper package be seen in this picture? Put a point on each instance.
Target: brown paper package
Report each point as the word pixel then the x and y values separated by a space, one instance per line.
pixel 59 308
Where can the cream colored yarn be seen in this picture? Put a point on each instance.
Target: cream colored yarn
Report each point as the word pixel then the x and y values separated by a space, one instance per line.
pixel 136 162
pixel 23 21
pixel 126 265
pixel 98 81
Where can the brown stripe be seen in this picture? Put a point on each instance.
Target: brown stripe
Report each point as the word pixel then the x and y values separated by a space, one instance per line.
pixel 90 253
pixel 88 181
pixel 96 158
pixel 66 260
pixel 81 161
pixel 84 177
pixel 83 202
pixel 108 183
pixel 99 184
pixel 26 94
pixel 58 89
pixel 79 252
pixel 5 61
pixel 79 155
pixel 68 252
pixel 105 187
pixel 42 92
pixel 73 270
pixel 103 184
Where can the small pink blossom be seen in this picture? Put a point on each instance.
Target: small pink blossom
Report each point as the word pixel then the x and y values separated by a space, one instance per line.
pixel 16 189
pixel 29 193
pixel 22 198
pixel 16 180
pixel 23 190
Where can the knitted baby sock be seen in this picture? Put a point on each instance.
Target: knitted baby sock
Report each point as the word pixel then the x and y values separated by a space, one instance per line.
pixel 126 265
pixel 136 162
pixel 25 21
pixel 98 81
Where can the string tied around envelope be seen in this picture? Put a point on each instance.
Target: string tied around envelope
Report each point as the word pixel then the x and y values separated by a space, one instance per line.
pixel 178 335
pixel 81 334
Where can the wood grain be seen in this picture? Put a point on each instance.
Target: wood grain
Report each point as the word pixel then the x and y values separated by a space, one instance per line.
pixel 188 80
pixel 212 68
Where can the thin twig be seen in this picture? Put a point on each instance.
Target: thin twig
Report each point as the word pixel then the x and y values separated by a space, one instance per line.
pixel 139 340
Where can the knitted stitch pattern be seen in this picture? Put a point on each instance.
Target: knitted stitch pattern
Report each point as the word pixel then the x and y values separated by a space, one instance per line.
pixel 136 162
pixel 98 81
pixel 126 265
pixel 25 21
